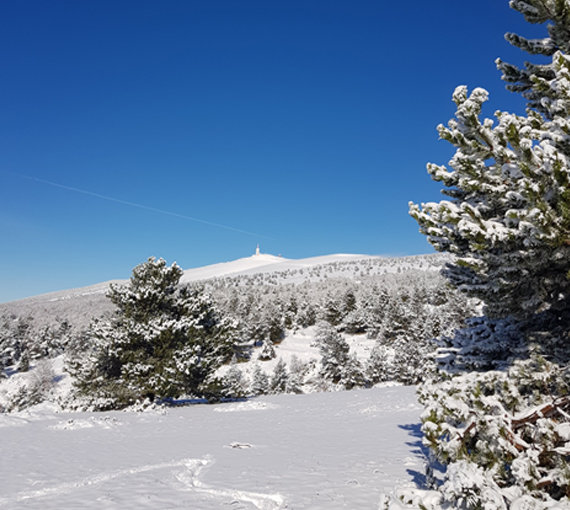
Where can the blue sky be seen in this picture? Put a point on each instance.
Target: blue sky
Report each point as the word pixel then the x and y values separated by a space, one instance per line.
pixel 301 125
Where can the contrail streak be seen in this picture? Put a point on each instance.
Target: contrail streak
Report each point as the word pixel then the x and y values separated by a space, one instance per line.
pixel 133 204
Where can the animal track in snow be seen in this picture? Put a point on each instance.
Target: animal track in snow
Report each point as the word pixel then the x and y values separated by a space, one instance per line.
pixel 68 487
pixel 261 501
pixel 189 478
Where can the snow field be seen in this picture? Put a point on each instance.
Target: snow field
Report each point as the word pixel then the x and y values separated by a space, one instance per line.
pixel 317 451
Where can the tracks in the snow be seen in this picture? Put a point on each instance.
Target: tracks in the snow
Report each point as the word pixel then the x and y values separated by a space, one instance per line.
pixel 189 477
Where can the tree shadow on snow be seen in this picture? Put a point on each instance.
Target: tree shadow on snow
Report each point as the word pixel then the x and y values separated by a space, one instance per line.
pixel 181 402
pixel 419 450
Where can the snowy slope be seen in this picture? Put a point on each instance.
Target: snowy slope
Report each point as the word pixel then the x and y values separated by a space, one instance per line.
pixel 291 265
pixel 263 263
pixel 254 264
pixel 322 451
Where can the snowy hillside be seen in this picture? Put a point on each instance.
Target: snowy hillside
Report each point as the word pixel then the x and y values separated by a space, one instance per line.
pixel 79 306
pixel 255 264
pixel 267 264
pixel 319 324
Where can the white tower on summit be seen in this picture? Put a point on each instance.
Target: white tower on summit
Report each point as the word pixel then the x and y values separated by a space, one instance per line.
pixel 257 250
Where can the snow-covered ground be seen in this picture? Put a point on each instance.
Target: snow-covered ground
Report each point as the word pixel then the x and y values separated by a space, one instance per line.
pixel 319 451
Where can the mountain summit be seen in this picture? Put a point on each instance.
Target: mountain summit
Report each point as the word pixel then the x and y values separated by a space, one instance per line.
pixel 239 266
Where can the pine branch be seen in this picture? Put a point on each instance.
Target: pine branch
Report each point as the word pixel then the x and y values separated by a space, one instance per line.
pixel 545 411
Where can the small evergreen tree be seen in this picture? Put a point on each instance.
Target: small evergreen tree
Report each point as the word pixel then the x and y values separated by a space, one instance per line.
pixel 260 382
pixel 332 311
pixel 267 350
pixel 297 372
pixel 334 352
pixel 24 364
pixel 413 359
pixel 280 378
pixel 234 382
pixel 164 342
pixel 378 365
pixel 337 365
pixel 353 376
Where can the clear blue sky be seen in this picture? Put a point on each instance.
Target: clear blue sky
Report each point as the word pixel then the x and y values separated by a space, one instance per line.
pixel 302 125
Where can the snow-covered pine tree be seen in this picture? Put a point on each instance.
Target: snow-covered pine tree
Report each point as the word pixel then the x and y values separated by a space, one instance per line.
pixel 353 376
pixel 259 382
pixel 503 434
pixel 24 364
pixel 379 364
pixel 234 382
pixel 165 341
pixel 413 360
pixel 267 351
pixel 334 352
pixel 508 220
pixel 280 378
pixel 297 372
pixel 337 364
pixel 332 310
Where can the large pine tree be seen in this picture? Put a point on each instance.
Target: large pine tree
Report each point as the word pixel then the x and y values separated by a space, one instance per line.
pixel 501 432
pixel 508 217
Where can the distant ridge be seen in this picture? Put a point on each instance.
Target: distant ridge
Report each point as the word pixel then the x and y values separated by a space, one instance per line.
pixel 258 263
pixel 263 263
pixel 254 263
pixel 80 305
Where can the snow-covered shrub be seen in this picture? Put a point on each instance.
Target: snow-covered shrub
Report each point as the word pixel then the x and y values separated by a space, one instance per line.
pixel 413 361
pixel 378 365
pixel 297 372
pixel 267 351
pixel 234 382
pixel 399 356
pixel 31 388
pixel 509 430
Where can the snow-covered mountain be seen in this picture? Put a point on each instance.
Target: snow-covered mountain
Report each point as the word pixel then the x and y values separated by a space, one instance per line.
pixel 79 306
pixel 264 263
pixel 254 264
